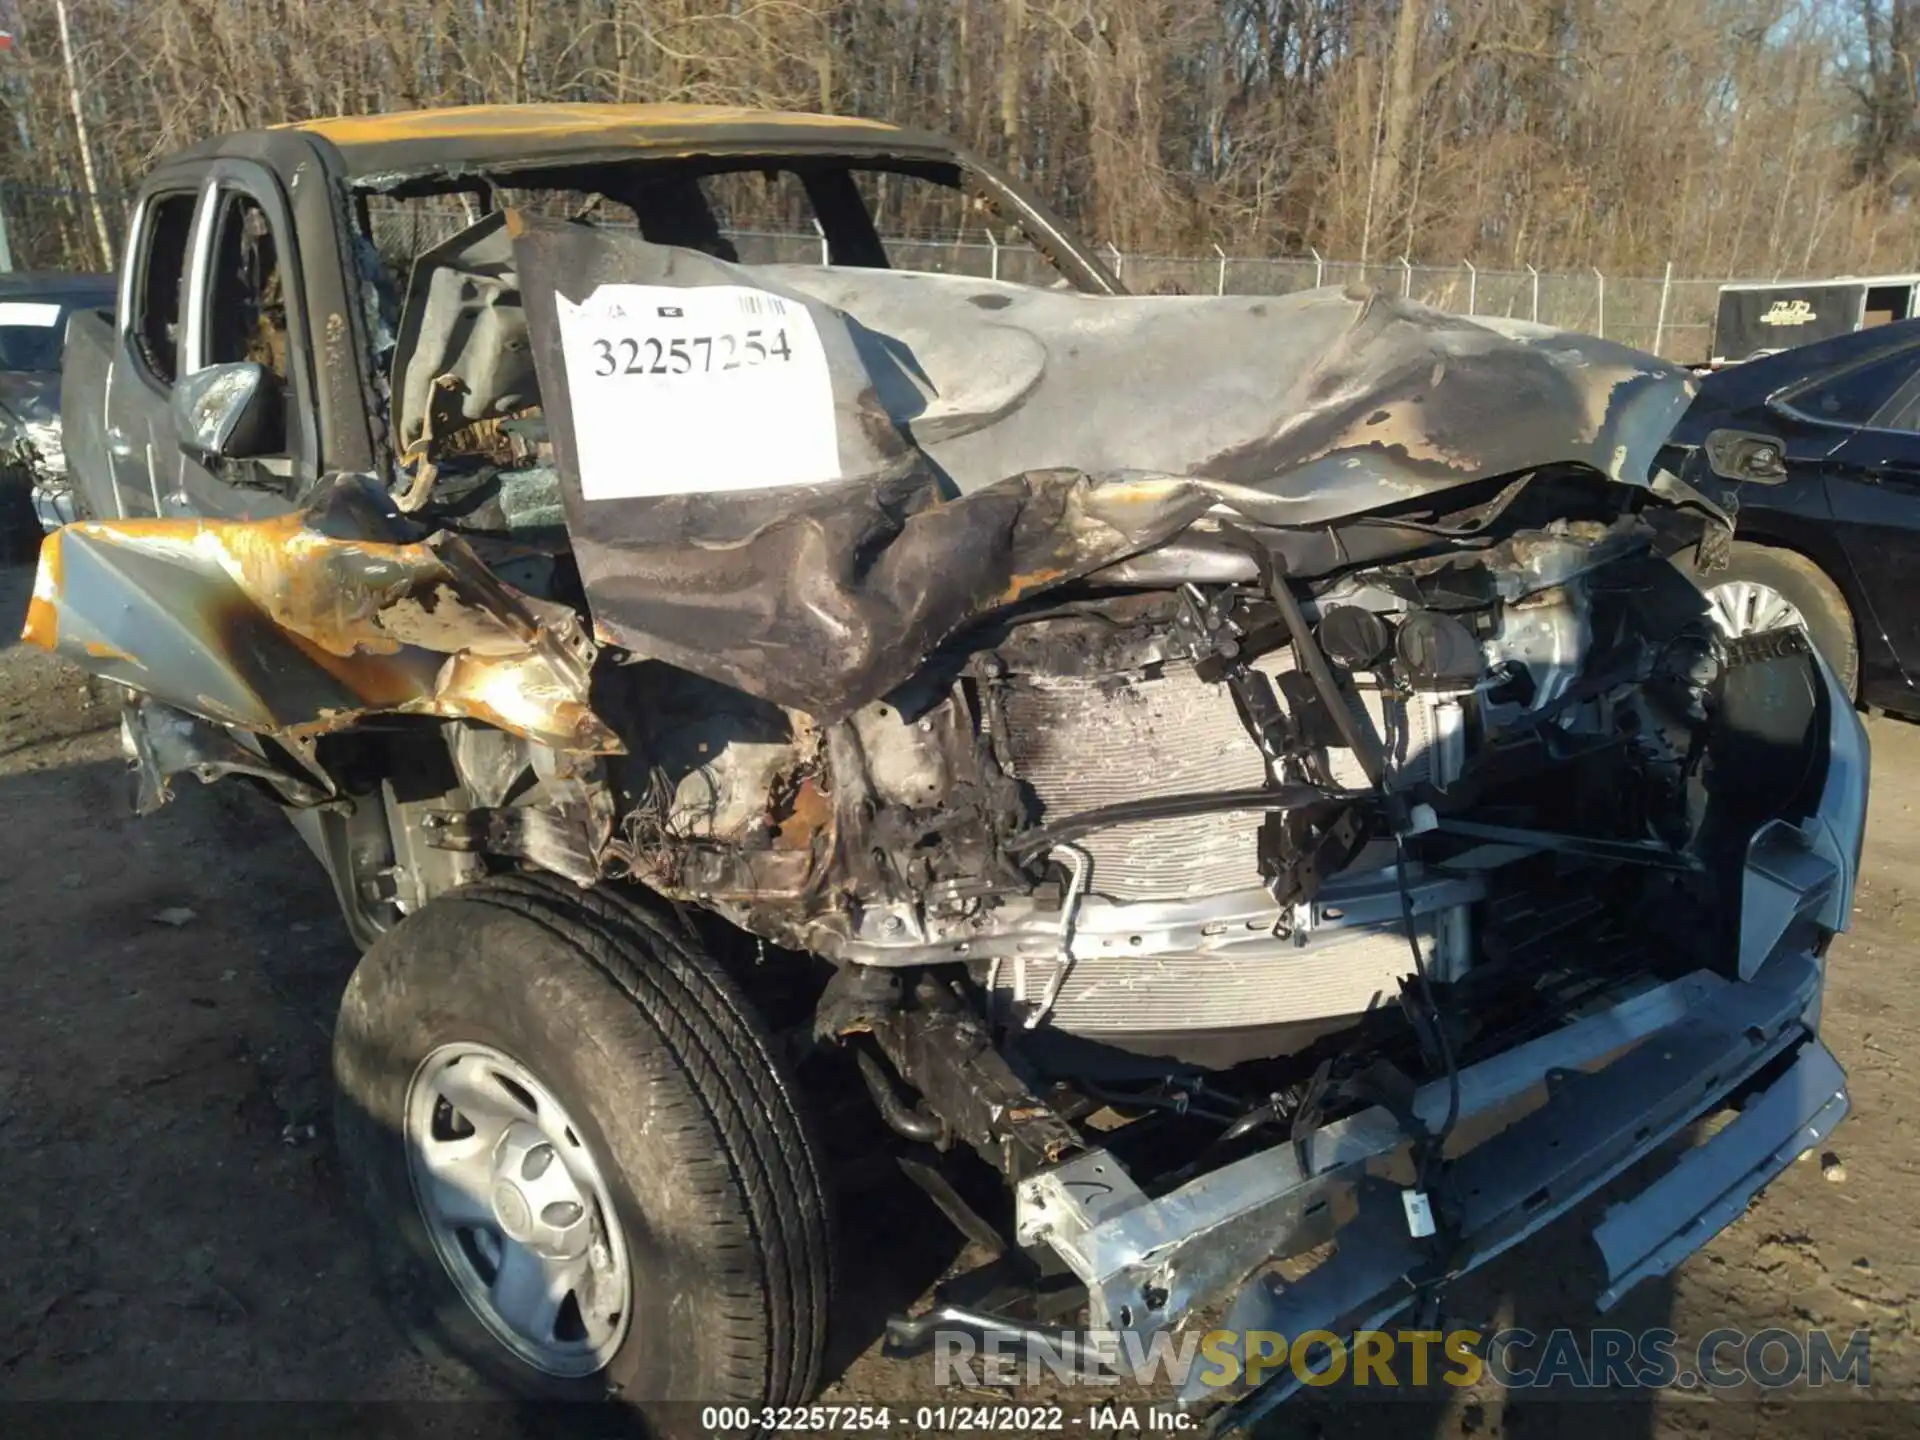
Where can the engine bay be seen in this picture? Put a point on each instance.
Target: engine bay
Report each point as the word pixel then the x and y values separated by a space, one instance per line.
pixel 1152 774
pixel 1199 825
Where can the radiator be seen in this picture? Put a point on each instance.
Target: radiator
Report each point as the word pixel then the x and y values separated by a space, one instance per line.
pixel 1083 743
pixel 1111 995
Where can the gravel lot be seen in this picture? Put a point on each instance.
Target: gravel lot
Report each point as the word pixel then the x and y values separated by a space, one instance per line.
pixel 174 1229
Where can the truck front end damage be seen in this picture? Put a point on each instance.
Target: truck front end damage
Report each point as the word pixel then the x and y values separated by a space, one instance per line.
pixel 1308 807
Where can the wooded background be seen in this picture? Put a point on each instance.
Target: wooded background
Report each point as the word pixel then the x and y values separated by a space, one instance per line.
pixel 1729 137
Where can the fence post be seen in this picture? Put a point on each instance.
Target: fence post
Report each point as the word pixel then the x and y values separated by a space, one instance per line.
pixel 1536 293
pixel 1220 280
pixel 1119 260
pixel 825 254
pixel 1473 286
pixel 993 255
pixel 6 245
pixel 1406 278
pixel 1660 322
pixel 1319 268
pixel 1599 303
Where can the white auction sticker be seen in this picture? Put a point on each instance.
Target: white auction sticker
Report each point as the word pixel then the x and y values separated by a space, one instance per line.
pixel 37 313
pixel 683 391
pixel 1419 1213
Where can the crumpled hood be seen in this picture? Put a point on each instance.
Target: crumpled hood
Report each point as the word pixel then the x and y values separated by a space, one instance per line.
pixel 809 522
pixel 1332 402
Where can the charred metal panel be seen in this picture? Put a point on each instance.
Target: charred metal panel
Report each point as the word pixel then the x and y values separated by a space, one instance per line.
pixel 305 623
pixel 164 742
pixel 1328 402
pixel 481 136
pixel 825 596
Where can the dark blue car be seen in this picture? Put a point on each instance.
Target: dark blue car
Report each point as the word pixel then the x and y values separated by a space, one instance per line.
pixel 1816 450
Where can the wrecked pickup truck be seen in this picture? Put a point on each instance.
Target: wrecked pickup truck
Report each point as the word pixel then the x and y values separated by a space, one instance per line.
pixel 1249 775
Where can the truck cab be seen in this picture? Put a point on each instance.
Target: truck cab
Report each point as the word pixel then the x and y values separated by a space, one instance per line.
pixel 289 250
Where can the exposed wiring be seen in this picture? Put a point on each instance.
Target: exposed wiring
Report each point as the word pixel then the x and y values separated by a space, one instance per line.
pixel 1437 1142
pixel 1279 1108
pixel 1181 1104
pixel 1172 807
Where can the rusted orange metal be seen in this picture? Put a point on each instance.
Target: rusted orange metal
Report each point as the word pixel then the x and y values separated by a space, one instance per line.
pixel 276 627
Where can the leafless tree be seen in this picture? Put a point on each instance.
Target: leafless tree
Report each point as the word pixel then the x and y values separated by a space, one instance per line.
pixel 1724 135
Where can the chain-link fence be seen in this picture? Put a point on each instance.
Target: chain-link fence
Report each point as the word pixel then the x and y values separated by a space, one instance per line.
pixel 47 227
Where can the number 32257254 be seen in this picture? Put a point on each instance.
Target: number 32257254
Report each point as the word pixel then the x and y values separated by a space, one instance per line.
pixel 688 354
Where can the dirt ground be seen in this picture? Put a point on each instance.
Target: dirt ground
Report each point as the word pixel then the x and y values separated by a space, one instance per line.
pixel 173 1228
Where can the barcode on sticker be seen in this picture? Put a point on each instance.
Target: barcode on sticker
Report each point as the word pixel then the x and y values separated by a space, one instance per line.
pixel 762 305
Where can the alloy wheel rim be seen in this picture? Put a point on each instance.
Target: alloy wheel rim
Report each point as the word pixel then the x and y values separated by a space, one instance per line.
pixel 518 1209
pixel 1746 607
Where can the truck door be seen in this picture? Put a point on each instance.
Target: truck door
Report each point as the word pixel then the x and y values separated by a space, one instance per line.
pixel 244 303
pixel 208 281
pixel 122 450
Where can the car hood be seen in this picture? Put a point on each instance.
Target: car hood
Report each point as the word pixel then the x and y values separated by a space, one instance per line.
pixel 1328 402
pixel 941 447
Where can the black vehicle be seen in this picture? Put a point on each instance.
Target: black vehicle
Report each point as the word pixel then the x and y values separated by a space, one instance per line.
pixel 1817 451
pixel 33 326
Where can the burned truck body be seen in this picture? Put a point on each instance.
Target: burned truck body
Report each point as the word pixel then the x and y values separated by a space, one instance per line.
pixel 1254 772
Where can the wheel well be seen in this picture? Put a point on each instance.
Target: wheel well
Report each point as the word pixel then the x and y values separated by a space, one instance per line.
pixel 374 845
pixel 1853 643
pixel 411 786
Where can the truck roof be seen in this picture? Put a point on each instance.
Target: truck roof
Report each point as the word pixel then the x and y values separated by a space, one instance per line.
pixel 483 136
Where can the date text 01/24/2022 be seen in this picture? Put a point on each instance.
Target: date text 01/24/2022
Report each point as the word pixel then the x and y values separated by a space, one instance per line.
pixel 945 1419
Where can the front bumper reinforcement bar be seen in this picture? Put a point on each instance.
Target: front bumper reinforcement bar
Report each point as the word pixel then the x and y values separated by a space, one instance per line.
pixel 1549 1123
pixel 1592 1127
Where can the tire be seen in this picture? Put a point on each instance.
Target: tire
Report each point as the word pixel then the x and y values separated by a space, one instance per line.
pixel 654 1060
pixel 1806 587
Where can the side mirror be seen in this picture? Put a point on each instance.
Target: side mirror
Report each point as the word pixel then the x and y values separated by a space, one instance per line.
pixel 229 412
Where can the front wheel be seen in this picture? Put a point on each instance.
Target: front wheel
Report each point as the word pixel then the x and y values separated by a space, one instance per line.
pixel 586 1174
pixel 1762 589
